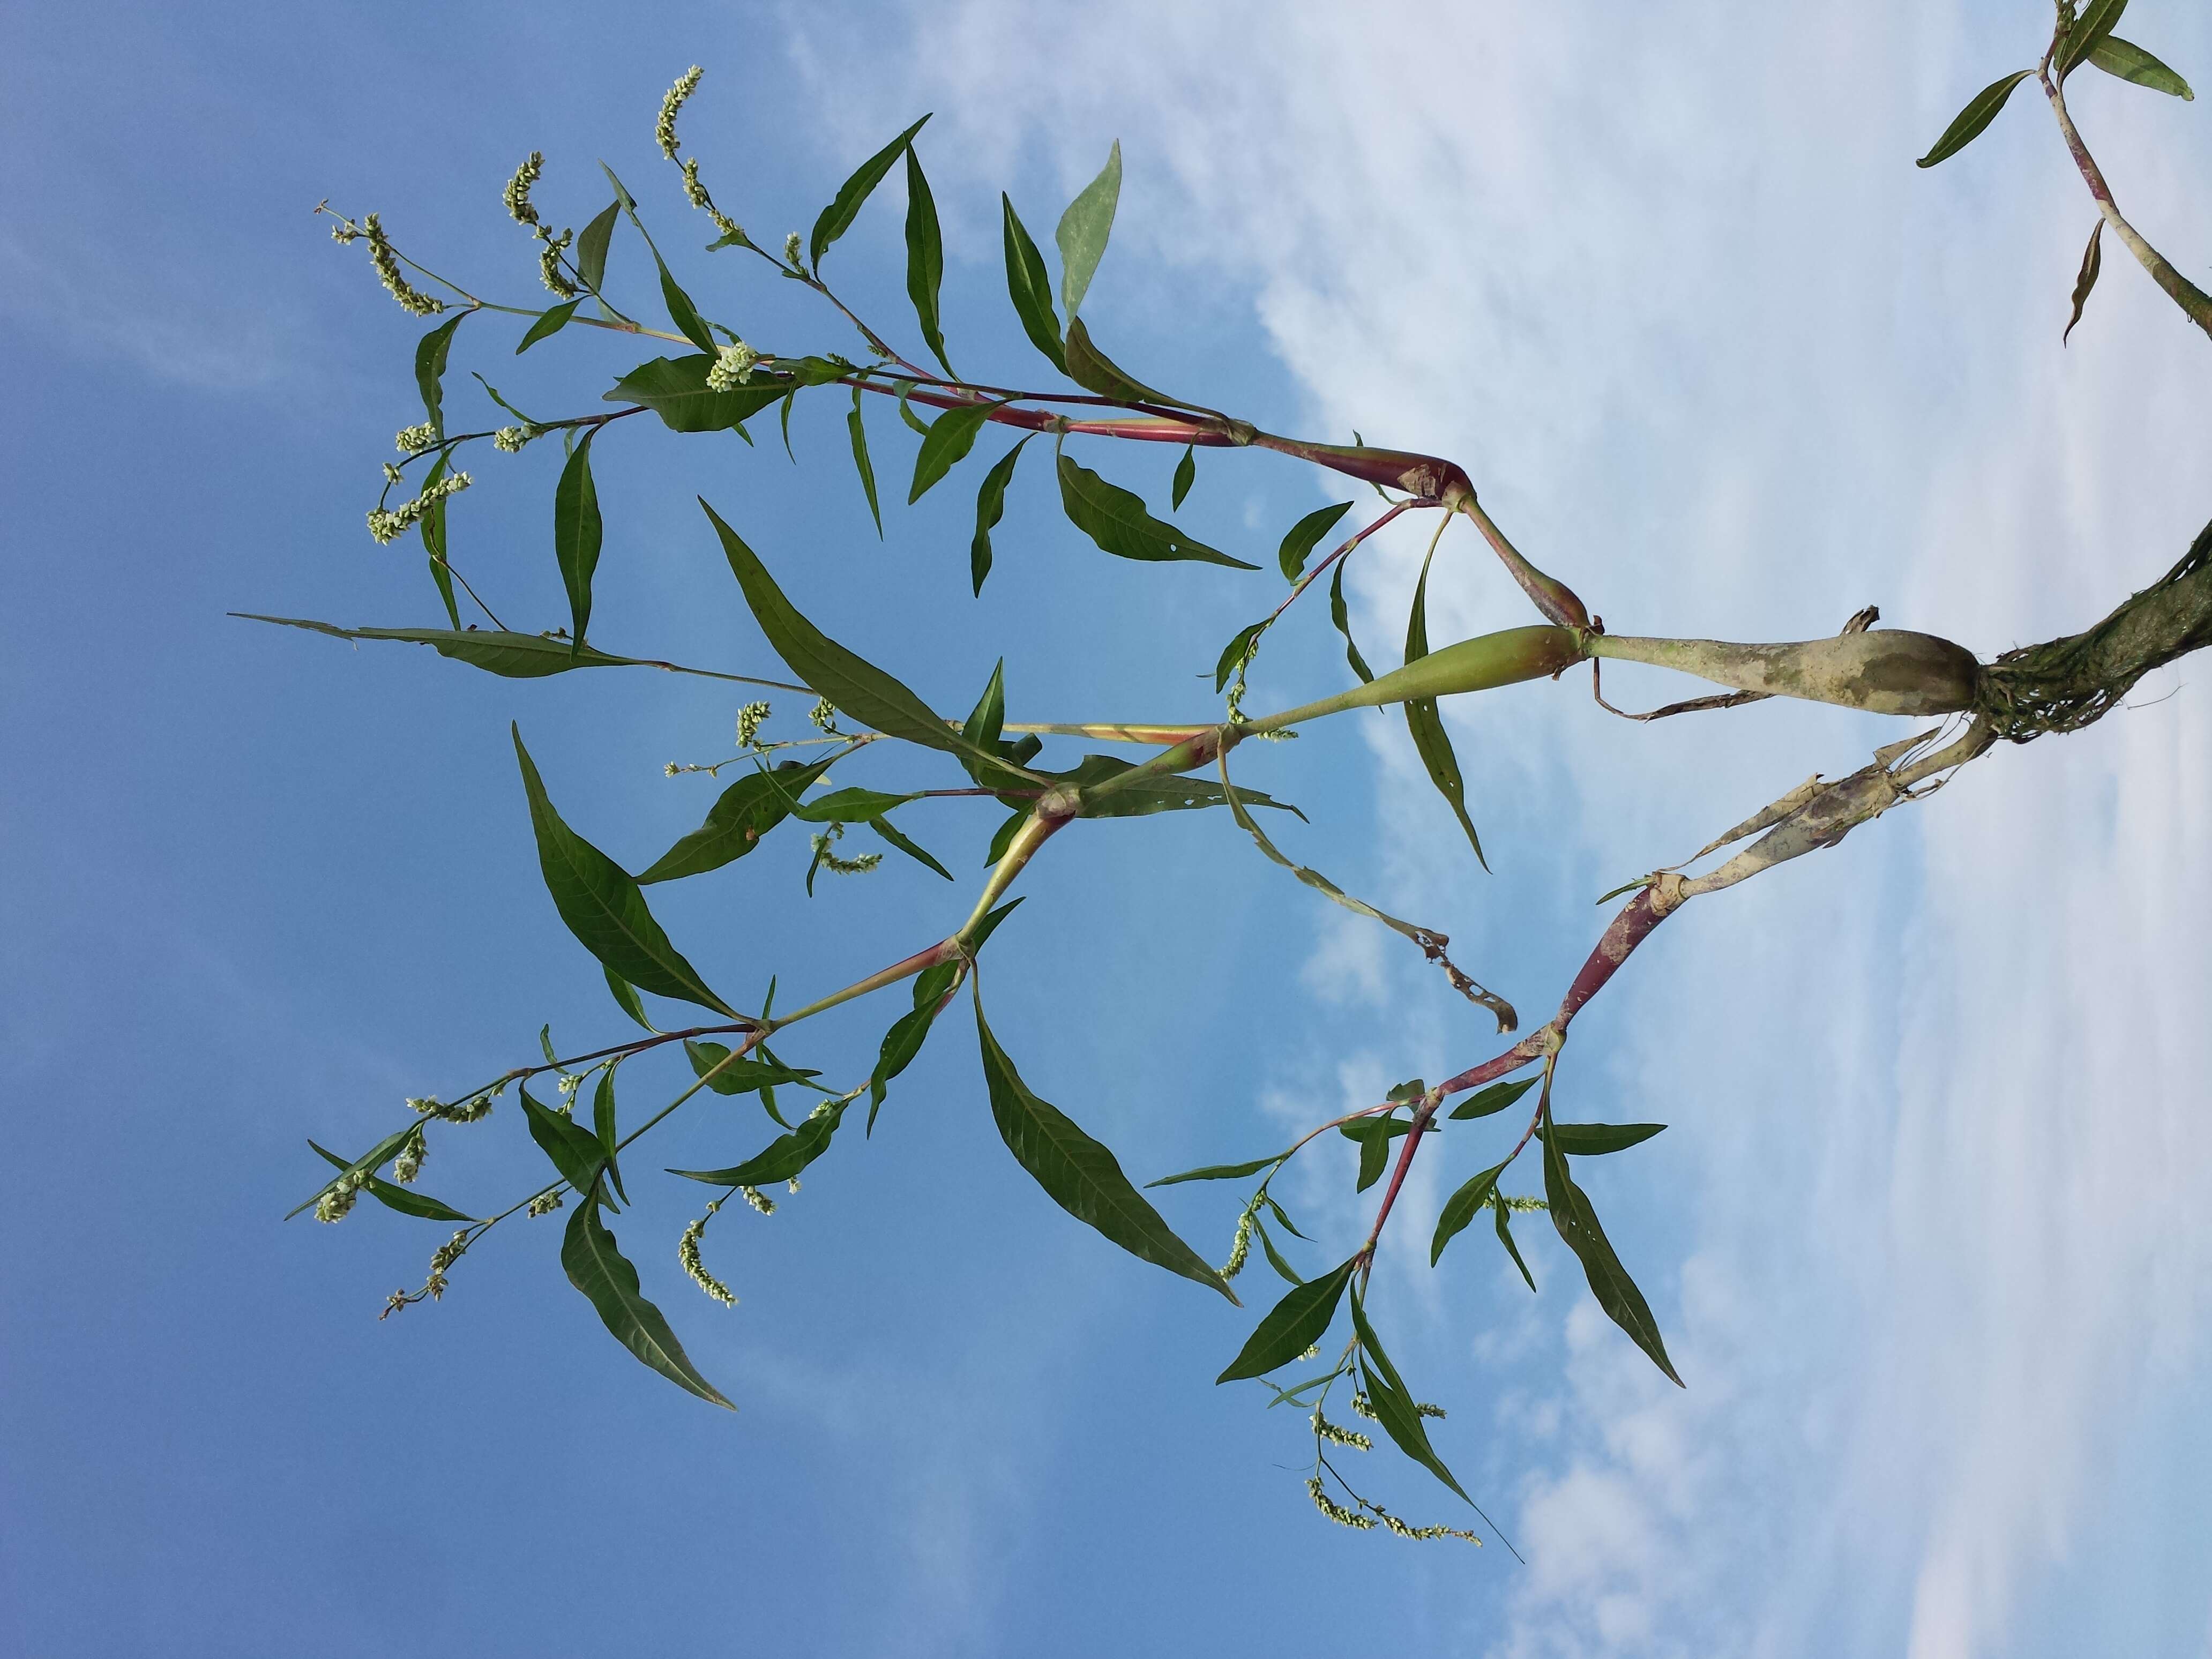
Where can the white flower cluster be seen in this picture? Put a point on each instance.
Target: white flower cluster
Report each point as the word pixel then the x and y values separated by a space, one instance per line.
pixel 733 366
pixel 387 526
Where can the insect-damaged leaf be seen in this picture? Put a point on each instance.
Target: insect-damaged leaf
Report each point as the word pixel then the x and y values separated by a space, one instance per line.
pixel 837 218
pixel 577 531
pixel 597 1267
pixel 1292 1325
pixel 1978 114
pixel 1117 521
pixel 1077 1173
pixel 2131 63
pixel 1030 287
pixel 1616 1292
pixel 603 907
pixel 1084 229
pixel 990 508
pixel 1427 725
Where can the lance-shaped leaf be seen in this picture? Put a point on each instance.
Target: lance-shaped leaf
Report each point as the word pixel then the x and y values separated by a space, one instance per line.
pixel 591 246
pixel 898 838
pixel 1394 1407
pixel 603 907
pixel 1078 1174
pixel 626 997
pixel 837 218
pixel 852 686
pixel 1373 1135
pixel 1084 229
pixel 744 812
pixel 1117 521
pixel 1030 287
pixel 986 720
pixel 1186 474
pixel 1592 1139
pixel 1093 370
pixel 1342 619
pixel 2092 259
pixel 1283 1269
pixel 605 1128
pixel 1427 725
pixel 711 1063
pixel 395 1197
pixel 1503 1214
pixel 990 508
pixel 946 444
pixel 1220 1171
pixel 1496 1098
pixel 598 1268
pixel 432 525
pixel 2131 63
pixel 574 1150
pixel 1313 879
pixel 430 352
pixel 577 531
pixel 853 805
pixel 2092 24
pixel 681 312
pixel 1292 1325
pixel 368 1163
pixel 1177 794
pixel 1979 111
pixel 925 258
pixel 511 656
pixel 1304 536
pixel 907 1033
pixel 1234 654
pixel 1616 1292
pixel 550 321
pixel 784 1157
pixel 1462 1207
pixel 858 429
pixel 676 389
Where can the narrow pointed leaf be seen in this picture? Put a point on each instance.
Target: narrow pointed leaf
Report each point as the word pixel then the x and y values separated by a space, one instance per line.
pixel 858 429
pixel 2131 63
pixel 2092 258
pixel 1978 114
pixel 574 1150
pixel 430 352
pixel 1462 1207
pixel 1117 521
pixel 1342 619
pixel 742 1076
pixel 1593 1139
pixel 891 833
pixel 925 258
pixel 597 1267
pixel 990 508
pixel 368 1163
pixel 1430 741
pixel 784 1157
pixel 837 218
pixel 549 322
pixel 676 389
pixel 1093 370
pixel 744 812
pixel 603 907
pixel 946 444
pixel 1616 1292
pixel 681 312
pixel 1084 229
pixel 1305 535
pixel 577 531
pixel 1221 1171
pixel 1077 1173
pixel 591 247
pixel 604 1128
pixel 1031 287
pixel 853 805
pixel 626 997
pixel 2092 24
pixel 1234 653
pixel 907 1033
pixel 987 720
pixel 1504 1218
pixel 405 1200
pixel 1394 1403
pixel 1186 474
pixel 512 656
pixel 1283 1269
pixel 433 527
pixel 1292 1325
pixel 1496 1098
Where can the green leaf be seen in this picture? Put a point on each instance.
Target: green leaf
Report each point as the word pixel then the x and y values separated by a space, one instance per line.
pixel 1292 1325
pixel 1503 1217
pixel 1093 370
pixel 598 1268
pixel 549 322
pixel 837 218
pixel 626 997
pixel 576 1151
pixel 681 312
pixel 395 1197
pixel 852 686
pixel 1616 1292
pixel 603 1126
pixel 1276 1210
pixel 1031 287
pixel 1305 535
pixel 576 533
pixel 1179 793
pixel 1496 1098
pixel 892 834
pixel 1003 836
pixel 1394 1403
pixel 1374 1136
pixel 2131 63
pixel 512 656
pixel 1234 653
pixel 855 805
pixel 603 907
pixel 990 508
pixel 2091 26
pixel 368 1163
pixel 591 247
pixel 741 1076
pixel 784 1157
pixel 433 527
pixel 1186 474
pixel 2092 260
pixel 1341 618
pixel 925 258
pixel 1591 1139
pixel 430 368
pixel 744 812
pixel 1117 521
pixel 1275 1257
pixel 914 423
pixel 675 388
pixel 1427 725
pixel 1978 114
pixel 907 1033
pixel 1462 1207
pixel 1080 1175
pixel 948 441
pixel 1084 229
pixel 987 721
pixel 859 429
pixel 1221 1171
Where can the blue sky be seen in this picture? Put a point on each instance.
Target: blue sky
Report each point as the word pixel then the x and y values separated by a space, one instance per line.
pixel 1926 1236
